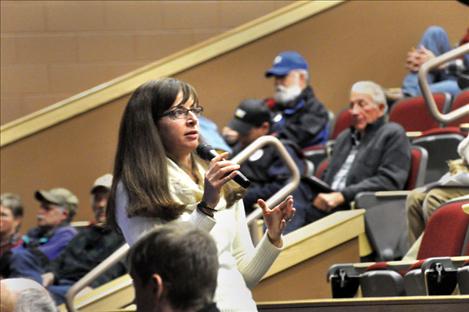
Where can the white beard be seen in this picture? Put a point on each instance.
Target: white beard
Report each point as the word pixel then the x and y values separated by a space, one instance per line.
pixel 285 95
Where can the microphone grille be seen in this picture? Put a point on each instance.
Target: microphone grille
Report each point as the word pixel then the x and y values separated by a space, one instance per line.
pixel 203 150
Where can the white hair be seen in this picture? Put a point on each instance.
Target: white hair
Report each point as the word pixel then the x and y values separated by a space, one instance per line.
pixel 30 295
pixel 372 89
pixel 302 71
pixel 34 300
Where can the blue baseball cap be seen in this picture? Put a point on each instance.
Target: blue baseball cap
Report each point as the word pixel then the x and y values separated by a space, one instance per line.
pixel 285 62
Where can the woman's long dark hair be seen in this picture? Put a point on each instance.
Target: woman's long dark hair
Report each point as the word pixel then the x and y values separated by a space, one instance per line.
pixel 140 163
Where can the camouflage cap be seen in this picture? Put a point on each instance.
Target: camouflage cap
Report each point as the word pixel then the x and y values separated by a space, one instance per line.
pixel 59 196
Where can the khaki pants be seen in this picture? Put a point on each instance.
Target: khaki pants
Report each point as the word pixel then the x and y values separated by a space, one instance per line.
pixel 420 205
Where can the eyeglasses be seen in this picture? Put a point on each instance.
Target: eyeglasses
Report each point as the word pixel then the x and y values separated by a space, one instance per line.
pixel 182 112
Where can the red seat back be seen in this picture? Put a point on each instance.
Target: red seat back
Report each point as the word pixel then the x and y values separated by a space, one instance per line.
pixel 445 231
pixel 321 168
pixel 341 122
pixel 413 114
pixel 418 167
pixel 462 99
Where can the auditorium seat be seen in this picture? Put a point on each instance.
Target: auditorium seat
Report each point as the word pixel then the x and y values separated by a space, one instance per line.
pixel 379 281
pixel 413 114
pixel 434 273
pixel 340 123
pixel 462 99
pixel 441 146
pixel 344 280
pixel 385 218
pixel 463 278
pixel 434 276
pixel 319 172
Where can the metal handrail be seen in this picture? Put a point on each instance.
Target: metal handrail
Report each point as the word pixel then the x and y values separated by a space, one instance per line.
pixel 86 280
pixel 239 158
pixel 292 183
pixel 427 94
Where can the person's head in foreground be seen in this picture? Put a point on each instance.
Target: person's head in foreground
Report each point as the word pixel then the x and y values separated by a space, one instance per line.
pixel 174 268
pixel 24 295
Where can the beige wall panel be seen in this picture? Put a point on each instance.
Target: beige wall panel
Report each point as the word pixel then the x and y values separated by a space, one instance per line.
pixel 114 33
pixel 156 46
pixel 31 101
pixel 71 155
pixel 8 112
pixel 67 78
pixel 354 41
pixel 22 16
pixel 105 48
pixel 187 14
pixel 129 15
pixel 74 15
pixel 110 33
pixel 8 51
pixel 46 49
pixel 232 12
pixel 24 79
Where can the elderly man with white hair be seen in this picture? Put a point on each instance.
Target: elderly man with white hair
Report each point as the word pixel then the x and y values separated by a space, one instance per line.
pixel 373 155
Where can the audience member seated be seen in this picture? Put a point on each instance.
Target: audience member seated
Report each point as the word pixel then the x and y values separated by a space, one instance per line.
pixel 373 155
pixel 87 249
pixel 423 202
pixel 265 169
pixel 210 135
pixel 53 233
pixel 434 42
pixel 11 209
pixel 174 268
pixel 299 116
pixel 11 216
pixel 24 295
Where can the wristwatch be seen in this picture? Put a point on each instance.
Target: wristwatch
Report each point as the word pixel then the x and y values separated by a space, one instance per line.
pixel 205 209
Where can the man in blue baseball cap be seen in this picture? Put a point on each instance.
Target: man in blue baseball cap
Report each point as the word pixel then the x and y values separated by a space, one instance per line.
pixel 299 115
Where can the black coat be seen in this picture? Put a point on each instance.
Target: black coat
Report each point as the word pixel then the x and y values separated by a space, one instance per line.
pixel 304 122
pixel 382 161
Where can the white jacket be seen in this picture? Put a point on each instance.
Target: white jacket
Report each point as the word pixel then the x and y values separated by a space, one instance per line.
pixel 241 265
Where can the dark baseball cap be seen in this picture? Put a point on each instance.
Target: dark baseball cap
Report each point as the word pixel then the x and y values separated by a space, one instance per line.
pixel 249 114
pixel 285 62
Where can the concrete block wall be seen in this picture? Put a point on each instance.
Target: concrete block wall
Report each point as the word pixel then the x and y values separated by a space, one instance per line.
pixel 51 50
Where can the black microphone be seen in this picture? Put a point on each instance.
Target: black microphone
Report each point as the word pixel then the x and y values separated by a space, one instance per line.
pixel 207 152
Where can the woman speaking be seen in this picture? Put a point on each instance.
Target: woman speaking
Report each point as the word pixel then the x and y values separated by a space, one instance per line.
pixel 158 178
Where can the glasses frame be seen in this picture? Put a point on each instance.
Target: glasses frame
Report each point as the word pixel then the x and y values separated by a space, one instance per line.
pixel 184 112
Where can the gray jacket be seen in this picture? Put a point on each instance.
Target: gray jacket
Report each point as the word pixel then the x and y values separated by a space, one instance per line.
pixel 382 161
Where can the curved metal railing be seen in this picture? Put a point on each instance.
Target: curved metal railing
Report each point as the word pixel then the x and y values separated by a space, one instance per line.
pixel 239 158
pixel 292 183
pixel 427 94
pixel 86 280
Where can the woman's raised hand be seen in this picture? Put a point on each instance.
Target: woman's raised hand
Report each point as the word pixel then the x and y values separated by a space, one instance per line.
pixel 277 218
pixel 218 173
